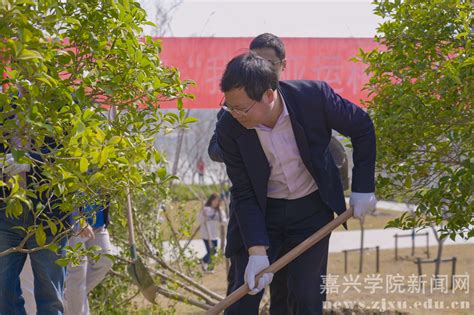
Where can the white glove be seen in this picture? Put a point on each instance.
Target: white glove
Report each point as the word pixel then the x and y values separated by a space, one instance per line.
pixel 87 232
pixel 254 266
pixel 362 203
pixel 14 168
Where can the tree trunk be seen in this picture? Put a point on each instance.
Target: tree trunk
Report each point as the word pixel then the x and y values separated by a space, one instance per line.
pixel 178 148
pixel 439 256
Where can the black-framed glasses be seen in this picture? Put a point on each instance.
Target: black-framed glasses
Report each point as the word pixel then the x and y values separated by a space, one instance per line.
pixel 232 110
pixel 275 62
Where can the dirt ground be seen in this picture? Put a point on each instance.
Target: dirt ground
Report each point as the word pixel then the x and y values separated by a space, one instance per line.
pixel 394 292
pixel 392 289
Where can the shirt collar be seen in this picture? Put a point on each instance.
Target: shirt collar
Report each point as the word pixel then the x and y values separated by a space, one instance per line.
pixel 284 115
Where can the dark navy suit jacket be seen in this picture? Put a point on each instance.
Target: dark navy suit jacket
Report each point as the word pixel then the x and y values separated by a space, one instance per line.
pixel 314 109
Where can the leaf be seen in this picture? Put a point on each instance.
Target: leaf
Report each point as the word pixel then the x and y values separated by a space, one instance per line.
pixel 40 235
pixel 95 157
pixel 26 201
pixel 103 157
pixel 15 186
pixel 53 247
pixel 87 114
pixel 29 54
pixel 14 208
pixel 115 140
pixel 53 227
pixel 83 165
pixel 21 228
pixel 470 233
pixel 100 135
pixel 161 172
pixel 191 120
pixel 408 182
pixel 17 154
pixel 80 128
pixel 44 80
pixel 157 156
pixel 171 117
pixel 179 103
pixel 78 245
pixel 110 256
pixel 96 177
pixel 74 21
pixel 63 262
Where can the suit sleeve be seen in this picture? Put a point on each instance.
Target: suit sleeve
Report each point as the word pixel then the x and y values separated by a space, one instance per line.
pixel 250 217
pixel 213 149
pixel 351 121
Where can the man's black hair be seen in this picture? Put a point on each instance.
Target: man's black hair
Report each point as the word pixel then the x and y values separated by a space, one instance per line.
pixel 252 73
pixel 267 40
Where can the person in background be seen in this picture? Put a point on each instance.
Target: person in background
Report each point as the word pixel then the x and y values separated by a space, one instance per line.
pixel 210 218
pixel 80 280
pixel 200 166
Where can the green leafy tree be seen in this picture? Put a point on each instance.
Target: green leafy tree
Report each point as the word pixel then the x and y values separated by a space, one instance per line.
pixel 80 88
pixel 80 81
pixel 422 95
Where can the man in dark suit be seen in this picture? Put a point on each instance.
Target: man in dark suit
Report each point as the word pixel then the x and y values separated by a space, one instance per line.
pixel 274 140
pixel 272 48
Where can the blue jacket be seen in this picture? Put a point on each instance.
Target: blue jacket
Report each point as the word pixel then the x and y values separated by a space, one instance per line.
pixel 314 109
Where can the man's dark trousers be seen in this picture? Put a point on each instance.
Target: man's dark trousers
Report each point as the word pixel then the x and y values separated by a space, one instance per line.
pixel 296 289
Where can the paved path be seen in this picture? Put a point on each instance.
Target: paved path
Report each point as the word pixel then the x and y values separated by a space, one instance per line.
pixel 391 205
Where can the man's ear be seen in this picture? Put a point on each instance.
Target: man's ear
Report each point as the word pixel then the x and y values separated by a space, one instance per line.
pixel 268 96
pixel 283 65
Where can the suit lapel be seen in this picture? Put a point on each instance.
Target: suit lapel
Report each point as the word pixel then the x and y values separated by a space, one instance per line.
pixel 256 163
pixel 300 135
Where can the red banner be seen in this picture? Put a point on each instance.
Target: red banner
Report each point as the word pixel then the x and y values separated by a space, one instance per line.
pixel 203 60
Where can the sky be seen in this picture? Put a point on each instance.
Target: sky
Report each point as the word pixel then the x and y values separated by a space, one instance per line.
pixel 245 18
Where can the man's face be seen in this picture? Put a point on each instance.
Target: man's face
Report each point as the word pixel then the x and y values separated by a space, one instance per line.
pixel 249 113
pixel 270 54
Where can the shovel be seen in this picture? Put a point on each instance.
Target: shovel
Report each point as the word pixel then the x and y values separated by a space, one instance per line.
pixel 282 261
pixel 136 269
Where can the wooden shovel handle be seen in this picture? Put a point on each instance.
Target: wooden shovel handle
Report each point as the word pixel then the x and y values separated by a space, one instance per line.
pixel 282 262
pixel 131 228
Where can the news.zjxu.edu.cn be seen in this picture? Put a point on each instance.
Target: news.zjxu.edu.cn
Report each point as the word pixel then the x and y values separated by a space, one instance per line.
pixel 383 305
pixel 397 292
